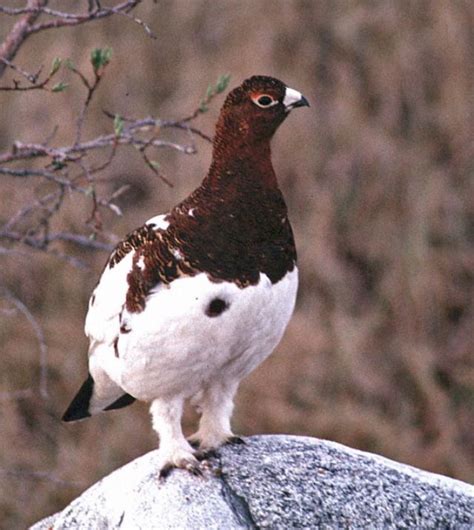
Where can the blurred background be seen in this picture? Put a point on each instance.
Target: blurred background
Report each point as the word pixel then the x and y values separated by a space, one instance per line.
pixel 378 177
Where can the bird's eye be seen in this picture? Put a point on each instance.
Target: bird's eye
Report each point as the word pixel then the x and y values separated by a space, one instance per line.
pixel 265 101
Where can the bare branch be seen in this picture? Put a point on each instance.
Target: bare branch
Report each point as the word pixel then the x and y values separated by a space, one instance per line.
pixel 27 25
pixel 20 32
pixel 90 92
pixel 81 240
pixel 141 23
pixel 32 78
pixel 43 351
pixel 154 167
pixel 182 124
pixel 94 14
pixel 141 133
pixel 69 167
pixel 33 173
pixel 129 136
pixel 186 127
pixel 41 244
pixel 23 212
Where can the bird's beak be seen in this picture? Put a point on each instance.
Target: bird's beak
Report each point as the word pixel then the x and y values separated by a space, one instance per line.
pixel 294 99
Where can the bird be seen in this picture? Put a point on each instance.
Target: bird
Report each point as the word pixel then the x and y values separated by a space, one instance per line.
pixel 194 300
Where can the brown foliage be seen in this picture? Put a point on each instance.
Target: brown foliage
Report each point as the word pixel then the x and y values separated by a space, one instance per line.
pixel 378 176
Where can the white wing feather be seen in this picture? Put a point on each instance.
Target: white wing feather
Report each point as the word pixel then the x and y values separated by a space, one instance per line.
pixel 102 324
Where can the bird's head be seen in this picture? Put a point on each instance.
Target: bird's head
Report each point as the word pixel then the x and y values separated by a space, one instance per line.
pixel 254 110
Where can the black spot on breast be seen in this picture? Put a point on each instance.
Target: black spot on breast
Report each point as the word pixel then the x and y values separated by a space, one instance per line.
pixel 216 307
pixel 92 300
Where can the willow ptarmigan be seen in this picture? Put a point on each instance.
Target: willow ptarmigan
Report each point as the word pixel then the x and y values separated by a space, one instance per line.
pixel 194 300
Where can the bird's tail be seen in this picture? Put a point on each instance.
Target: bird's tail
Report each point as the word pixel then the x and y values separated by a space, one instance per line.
pixel 88 401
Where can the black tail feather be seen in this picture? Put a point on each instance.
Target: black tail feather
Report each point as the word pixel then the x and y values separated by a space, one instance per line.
pixel 79 407
pixel 122 401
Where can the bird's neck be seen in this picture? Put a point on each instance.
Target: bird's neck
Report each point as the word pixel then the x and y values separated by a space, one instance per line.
pixel 239 164
pixel 241 156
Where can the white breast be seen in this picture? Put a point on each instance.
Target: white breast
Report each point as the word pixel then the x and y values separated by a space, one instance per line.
pixel 174 347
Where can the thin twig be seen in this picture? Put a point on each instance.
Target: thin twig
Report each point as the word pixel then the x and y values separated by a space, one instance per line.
pixel 154 168
pixel 164 124
pixel 32 78
pixel 27 150
pixel 43 356
pixel 78 239
pixel 34 173
pixel 74 20
pixel 23 212
pixel 141 23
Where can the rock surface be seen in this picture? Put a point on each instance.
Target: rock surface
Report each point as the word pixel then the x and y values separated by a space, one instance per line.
pixel 277 482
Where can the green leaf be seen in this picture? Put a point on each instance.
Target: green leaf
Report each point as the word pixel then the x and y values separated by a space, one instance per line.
pixel 118 125
pixel 222 83
pixel 59 87
pixel 209 92
pixel 100 57
pixel 69 64
pixel 212 91
pixel 56 64
pixel 155 164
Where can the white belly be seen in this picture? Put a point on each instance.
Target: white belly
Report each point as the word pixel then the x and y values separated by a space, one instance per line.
pixel 174 348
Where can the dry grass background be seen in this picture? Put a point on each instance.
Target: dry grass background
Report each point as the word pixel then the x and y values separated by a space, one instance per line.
pixel 378 176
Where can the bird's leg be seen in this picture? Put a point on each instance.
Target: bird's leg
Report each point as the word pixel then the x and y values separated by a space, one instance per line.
pixel 174 450
pixel 216 404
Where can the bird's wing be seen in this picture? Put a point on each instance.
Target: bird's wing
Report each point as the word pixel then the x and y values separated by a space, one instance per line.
pixel 107 301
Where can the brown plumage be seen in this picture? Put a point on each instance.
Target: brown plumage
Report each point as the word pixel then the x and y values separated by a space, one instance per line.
pixel 239 226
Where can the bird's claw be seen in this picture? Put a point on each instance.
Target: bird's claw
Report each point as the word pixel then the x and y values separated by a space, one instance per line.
pixel 194 443
pixel 194 467
pixel 235 440
pixel 203 454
